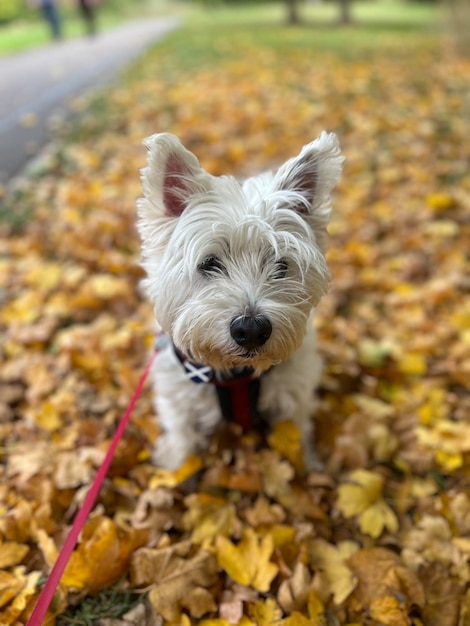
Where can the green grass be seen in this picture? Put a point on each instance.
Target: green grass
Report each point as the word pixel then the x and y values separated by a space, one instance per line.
pixel 392 14
pixel 386 23
pixel 111 604
pixel 28 34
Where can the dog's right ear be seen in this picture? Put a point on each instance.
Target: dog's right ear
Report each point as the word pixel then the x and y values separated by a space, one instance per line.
pixel 173 175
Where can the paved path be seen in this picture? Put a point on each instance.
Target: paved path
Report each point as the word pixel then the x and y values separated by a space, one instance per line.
pixel 35 85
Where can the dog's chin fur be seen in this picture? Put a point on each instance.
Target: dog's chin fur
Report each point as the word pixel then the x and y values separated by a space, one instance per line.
pixel 215 249
pixel 225 362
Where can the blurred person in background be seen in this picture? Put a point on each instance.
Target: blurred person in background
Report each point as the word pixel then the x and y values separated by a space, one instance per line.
pixel 51 14
pixel 87 10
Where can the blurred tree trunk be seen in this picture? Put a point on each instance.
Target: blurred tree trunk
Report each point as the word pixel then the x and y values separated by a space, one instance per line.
pixel 459 18
pixel 344 12
pixel 292 12
pixel 293 16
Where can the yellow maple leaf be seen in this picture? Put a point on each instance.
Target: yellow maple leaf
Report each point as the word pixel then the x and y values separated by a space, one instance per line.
pixel 208 517
pixel 316 614
pixel 377 517
pixel 276 473
pixel 12 553
pixel 25 308
pixel 412 364
pixel 286 438
pixel 449 461
pixel 99 288
pixel 296 619
pixel 171 478
pixel 28 585
pixel 48 417
pixel 329 562
pixel 44 276
pixel 363 497
pixel 449 441
pixel 10 585
pixel 108 287
pixel 440 201
pixel 316 609
pixel 220 621
pixel 265 612
pixel 102 542
pixel 192 465
pixel 77 573
pixel 434 408
pixel 461 318
pixel 47 546
pixel 281 534
pixel 364 490
pixel 248 562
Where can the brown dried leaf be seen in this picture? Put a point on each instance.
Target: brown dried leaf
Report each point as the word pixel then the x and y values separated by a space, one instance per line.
pixel 177 580
pixel 443 596
pixel 383 578
pixel 264 513
pixel 388 610
pixel 233 600
pixel 293 592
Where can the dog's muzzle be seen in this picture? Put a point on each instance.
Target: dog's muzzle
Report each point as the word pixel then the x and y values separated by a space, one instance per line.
pixel 251 331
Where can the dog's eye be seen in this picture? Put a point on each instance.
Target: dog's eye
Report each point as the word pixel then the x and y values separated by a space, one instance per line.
pixel 211 265
pixel 280 269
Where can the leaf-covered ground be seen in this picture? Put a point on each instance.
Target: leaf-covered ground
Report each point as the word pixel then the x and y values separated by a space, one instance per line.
pixel 243 536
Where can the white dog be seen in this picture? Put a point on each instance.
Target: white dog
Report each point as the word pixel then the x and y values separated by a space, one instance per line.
pixel 234 271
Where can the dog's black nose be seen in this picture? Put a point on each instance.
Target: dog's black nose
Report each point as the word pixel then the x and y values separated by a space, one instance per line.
pixel 251 331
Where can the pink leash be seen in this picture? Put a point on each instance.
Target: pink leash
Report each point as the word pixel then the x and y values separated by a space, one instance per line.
pixel 52 582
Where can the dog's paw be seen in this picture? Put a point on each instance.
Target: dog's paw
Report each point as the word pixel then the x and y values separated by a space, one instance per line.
pixel 311 460
pixel 169 453
pixel 172 451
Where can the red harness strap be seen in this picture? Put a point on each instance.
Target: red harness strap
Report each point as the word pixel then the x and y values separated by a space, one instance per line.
pixel 238 399
pixel 237 392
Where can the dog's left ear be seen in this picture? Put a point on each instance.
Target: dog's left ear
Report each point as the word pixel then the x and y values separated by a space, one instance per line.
pixel 173 175
pixel 312 175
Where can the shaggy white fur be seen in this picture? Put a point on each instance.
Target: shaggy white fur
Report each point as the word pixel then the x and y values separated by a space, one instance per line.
pixel 234 271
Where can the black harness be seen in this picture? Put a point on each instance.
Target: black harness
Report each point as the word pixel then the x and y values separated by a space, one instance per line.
pixel 237 391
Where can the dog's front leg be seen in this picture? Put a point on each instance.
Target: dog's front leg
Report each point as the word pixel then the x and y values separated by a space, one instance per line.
pixel 288 392
pixel 188 413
